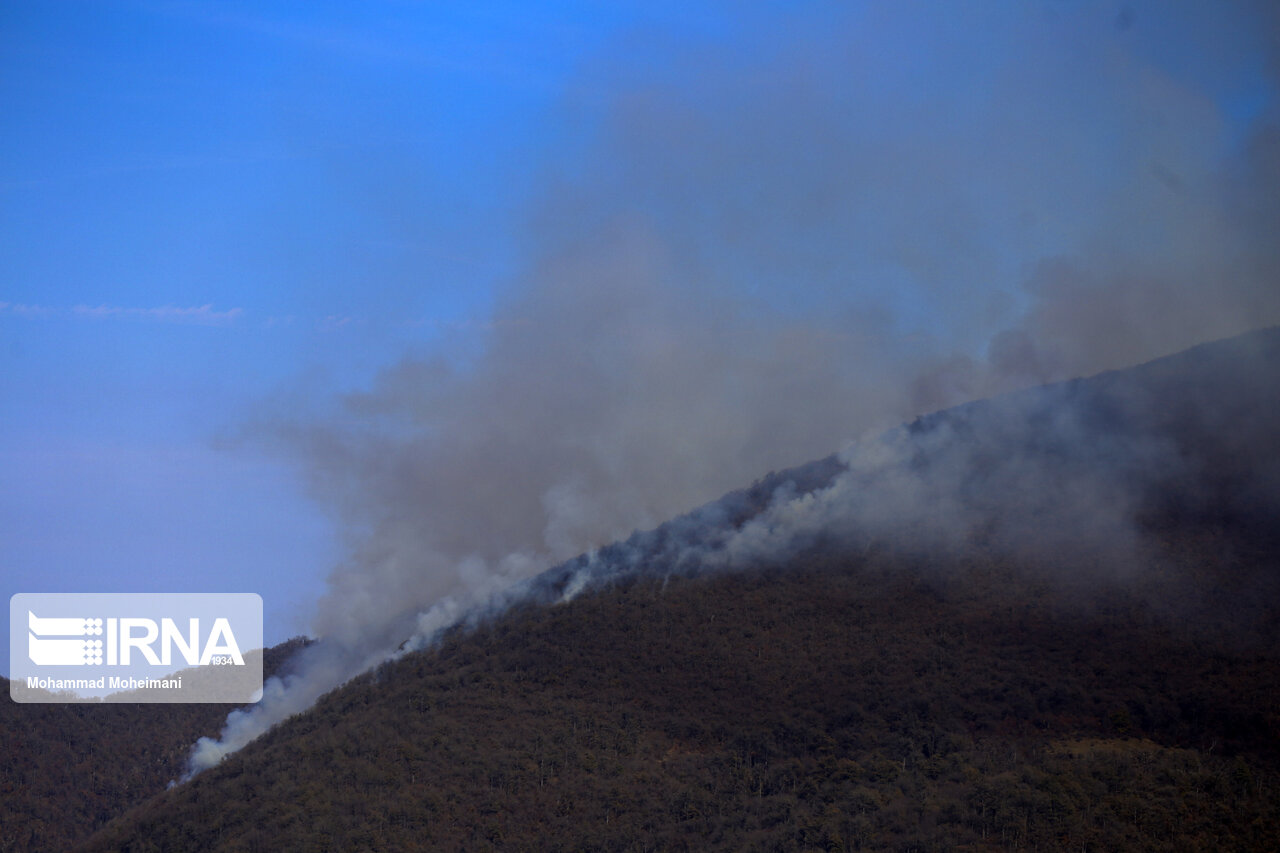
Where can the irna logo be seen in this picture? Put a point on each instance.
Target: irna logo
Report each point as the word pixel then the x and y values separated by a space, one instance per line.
pixel 76 641
pixel 162 647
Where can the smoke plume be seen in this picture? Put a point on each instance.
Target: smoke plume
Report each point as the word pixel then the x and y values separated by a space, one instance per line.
pixel 757 253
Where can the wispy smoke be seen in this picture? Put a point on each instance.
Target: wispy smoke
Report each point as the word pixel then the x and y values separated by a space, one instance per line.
pixel 758 254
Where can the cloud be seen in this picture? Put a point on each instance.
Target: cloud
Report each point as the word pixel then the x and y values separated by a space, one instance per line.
pixel 203 315
pixel 24 309
pixel 334 322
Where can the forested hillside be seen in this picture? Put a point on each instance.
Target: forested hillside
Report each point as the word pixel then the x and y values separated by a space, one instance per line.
pixel 837 703
pixel 68 768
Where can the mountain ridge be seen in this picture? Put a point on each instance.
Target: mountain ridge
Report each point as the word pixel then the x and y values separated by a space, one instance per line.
pixel 1105 399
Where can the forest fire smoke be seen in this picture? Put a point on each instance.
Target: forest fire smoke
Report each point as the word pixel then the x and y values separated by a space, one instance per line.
pixel 749 270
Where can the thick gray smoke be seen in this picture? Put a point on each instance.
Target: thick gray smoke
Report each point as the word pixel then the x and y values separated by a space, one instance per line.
pixel 756 255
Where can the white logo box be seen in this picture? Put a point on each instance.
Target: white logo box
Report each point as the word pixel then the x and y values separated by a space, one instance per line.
pixel 135 647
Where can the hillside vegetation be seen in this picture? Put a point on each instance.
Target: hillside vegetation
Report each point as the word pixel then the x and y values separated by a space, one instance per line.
pixel 836 703
pixel 69 768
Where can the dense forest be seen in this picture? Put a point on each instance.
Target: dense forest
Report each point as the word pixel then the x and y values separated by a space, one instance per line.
pixel 69 768
pixel 835 704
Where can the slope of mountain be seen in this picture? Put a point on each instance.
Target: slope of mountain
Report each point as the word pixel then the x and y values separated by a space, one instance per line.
pixel 68 769
pixel 1078 473
pixel 836 704
pixel 1044 620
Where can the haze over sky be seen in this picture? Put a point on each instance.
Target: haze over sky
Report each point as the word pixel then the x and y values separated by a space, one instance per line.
pixel 213 213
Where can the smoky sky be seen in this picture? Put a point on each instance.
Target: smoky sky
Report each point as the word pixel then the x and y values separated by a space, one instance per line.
pixel 755 256
pixel 752 252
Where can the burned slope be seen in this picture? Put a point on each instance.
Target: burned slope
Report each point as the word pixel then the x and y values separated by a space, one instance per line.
pixel 69 768
pixel 1047 619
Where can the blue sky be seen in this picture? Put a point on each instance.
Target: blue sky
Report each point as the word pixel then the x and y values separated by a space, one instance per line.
pixel 212 210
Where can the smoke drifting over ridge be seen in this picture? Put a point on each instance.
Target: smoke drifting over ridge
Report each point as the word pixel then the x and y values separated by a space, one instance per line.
pixel 764 252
